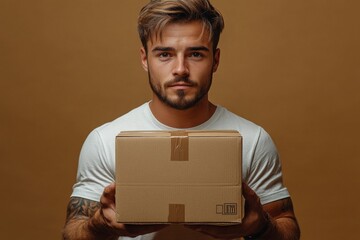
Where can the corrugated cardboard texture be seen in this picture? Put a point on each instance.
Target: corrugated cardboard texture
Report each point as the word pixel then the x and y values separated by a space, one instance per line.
pixel 202 184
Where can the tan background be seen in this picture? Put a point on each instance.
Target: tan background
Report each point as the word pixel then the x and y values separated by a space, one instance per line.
pixel 69 66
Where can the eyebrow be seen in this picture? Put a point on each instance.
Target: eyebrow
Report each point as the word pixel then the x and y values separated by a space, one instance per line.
pixel 166 49
pixel 200 48
pixel 162 49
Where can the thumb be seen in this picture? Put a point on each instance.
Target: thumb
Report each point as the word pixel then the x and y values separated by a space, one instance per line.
pixel 251 198
pixel 108 196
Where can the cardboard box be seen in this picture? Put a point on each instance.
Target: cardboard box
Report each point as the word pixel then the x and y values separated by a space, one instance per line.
pixel 179 177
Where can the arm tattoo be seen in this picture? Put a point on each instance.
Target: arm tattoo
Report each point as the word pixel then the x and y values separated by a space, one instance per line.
pixel 80 208
pixel 286 205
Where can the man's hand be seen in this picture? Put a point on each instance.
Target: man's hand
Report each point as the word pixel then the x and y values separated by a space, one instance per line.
pixel 105 218
pixel 258 220
pixel 90 220
pixel 253 222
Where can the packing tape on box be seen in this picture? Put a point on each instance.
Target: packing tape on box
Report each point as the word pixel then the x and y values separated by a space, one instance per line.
pixel 176 213
pixel 179 146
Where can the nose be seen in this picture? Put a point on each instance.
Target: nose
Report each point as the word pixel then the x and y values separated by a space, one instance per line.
pixel 181 67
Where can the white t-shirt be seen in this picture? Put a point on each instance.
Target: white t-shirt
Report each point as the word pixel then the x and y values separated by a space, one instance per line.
pixel 261 165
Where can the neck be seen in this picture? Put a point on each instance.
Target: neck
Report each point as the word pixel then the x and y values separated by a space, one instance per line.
pixel 188 118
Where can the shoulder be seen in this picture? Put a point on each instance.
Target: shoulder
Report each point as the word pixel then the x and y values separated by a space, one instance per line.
pixel 101 140
pixel 247 128
pixel 256 140
pixel 129 121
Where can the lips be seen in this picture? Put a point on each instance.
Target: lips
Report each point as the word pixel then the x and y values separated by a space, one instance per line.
pixel 180 85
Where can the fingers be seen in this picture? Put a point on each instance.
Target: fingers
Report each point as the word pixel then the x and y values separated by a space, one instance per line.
pixel 251 222
pixel 109 191
pixel 108 213
pixel 251 198
pixel 108 197
pixel 248 192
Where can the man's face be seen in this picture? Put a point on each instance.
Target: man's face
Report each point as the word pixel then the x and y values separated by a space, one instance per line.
pixel 180 64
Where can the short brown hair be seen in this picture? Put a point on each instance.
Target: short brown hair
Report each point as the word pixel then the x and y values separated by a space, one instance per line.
pixel 157 14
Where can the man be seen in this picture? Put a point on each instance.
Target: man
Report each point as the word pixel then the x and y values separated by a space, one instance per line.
pixel 180 54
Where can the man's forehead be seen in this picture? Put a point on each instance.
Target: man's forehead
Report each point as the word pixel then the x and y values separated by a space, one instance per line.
pixel 189 33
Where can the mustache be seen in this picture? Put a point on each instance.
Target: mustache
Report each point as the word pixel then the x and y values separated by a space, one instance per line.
pixel 180 79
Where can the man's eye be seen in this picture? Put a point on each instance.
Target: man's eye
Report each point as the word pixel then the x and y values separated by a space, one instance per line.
pixel 164 55
pixel 196 54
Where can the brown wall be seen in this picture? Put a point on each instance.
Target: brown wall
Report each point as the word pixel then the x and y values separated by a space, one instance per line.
pixel 69 66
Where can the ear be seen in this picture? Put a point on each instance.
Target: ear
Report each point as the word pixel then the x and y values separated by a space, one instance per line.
pixel 216 59
pixel 143 57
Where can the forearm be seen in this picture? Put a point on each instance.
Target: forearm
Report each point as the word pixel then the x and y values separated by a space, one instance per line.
pixel 285 228
pixel 282 221
pixel 85 228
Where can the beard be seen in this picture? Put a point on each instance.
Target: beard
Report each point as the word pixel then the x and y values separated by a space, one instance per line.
pixel 182 101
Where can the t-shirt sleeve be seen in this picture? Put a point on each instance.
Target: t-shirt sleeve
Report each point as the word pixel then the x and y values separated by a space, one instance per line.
pixel 265 176
pixel 94 172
